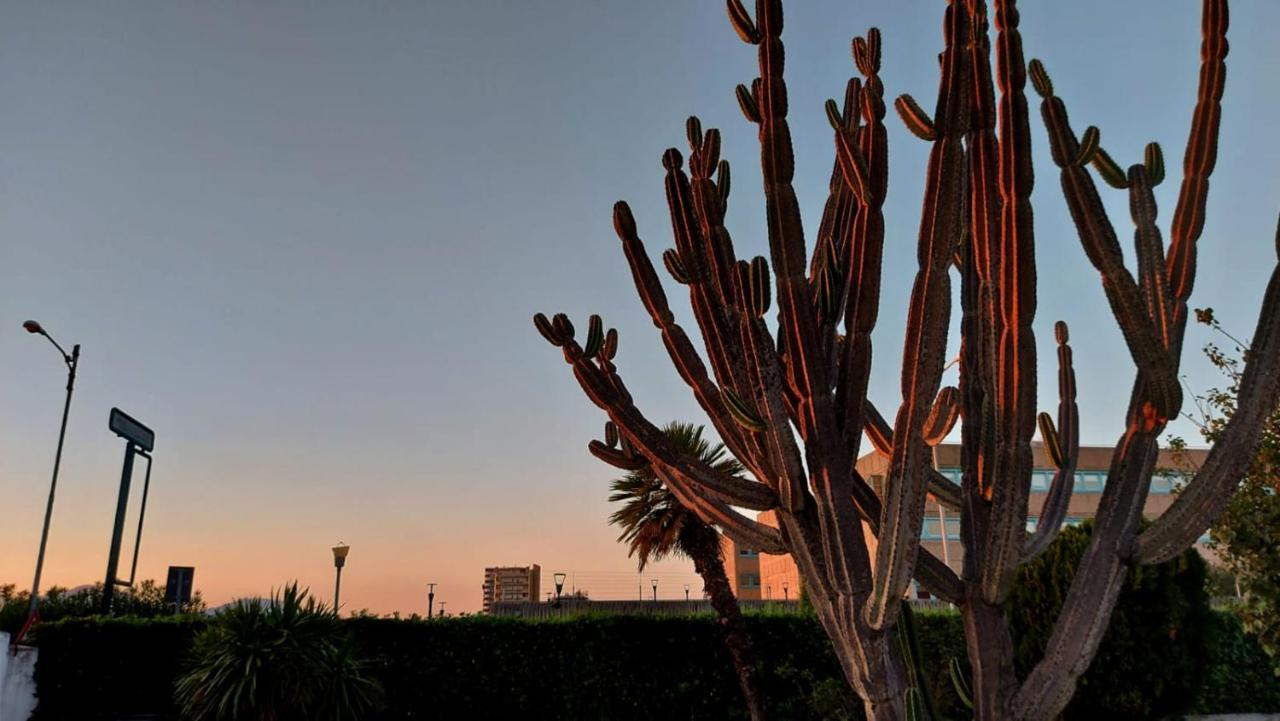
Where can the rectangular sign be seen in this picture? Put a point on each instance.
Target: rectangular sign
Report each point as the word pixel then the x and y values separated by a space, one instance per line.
pixel 177 589
pixel 128 428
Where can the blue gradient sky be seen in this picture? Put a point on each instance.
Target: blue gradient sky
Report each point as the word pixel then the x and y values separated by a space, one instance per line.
pixel 304 240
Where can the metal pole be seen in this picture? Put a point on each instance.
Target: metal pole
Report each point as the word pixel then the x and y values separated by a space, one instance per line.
pixel 142 514
pixel 122 505
pixel 431 598
pixel 337 588
pixel 53 485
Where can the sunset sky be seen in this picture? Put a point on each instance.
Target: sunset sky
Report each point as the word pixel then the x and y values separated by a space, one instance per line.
pixel 303 241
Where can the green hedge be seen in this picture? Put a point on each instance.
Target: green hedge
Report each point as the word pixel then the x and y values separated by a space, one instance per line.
pixel 620 667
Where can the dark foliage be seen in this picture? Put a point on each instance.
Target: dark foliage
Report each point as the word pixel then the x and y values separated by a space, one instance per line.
pixel 611 668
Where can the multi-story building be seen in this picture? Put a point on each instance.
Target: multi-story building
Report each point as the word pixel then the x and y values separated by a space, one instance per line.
pixel 511 583
pixel 742 566
pixel 941 531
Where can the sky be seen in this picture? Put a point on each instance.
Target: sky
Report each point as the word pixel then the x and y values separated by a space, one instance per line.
pixel 303 242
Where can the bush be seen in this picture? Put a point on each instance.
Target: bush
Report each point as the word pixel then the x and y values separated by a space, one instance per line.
pixel 286 659
pixel 618 668
pixel 1151 660
pixel 145 601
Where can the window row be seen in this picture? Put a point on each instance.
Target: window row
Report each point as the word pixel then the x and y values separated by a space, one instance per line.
pixel 1086 481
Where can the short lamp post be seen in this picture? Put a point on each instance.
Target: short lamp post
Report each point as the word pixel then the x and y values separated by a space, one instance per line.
pixel 560 577
pixel 431 598
pixel 654 582
pixel 784 591
pixel 340 552
pixel 72 360
pixel 686 593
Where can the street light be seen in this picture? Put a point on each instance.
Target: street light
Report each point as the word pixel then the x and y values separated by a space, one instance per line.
pixel 686 593
pixel 654 581
pixel 431 598
pixel 72 361
pixel 560 584
pixel 784 591
pixel 340 552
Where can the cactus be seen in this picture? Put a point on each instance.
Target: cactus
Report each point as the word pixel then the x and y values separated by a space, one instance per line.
pixel 789 397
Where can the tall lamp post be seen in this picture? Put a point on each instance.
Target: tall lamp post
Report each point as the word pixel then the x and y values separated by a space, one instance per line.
pixel 559 585
pixel 654 581
pixel 72 361
pixel 431 598
pixel 340 552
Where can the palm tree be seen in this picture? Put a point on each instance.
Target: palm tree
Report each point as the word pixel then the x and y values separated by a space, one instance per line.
pixel 655 524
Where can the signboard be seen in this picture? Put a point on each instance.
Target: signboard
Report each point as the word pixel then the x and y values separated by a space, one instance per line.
pixel 128 428
pixel 177 589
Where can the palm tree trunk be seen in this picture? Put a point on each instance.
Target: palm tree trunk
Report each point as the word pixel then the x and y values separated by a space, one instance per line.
pixel 703 546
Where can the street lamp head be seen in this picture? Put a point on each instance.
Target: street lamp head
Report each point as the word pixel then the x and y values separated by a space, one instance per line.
pixel 340 552
pixel 560 577
pixel 32 326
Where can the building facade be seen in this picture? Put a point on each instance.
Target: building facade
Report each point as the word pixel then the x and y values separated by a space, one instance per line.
pixel 511 583
pixel 742 566
pixel 941 531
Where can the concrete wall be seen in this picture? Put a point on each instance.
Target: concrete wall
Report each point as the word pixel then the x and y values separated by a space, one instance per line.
pixel 17 681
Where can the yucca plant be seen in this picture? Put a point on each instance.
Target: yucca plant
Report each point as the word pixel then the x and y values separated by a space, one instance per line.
pixel 283 659
pixel 655 524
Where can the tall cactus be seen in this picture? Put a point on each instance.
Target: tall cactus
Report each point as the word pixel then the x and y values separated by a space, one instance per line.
pixel 790 400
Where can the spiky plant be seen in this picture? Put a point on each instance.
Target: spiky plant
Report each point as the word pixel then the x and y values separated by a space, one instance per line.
pixel 790 401
pixel 655 524
pixel 284 659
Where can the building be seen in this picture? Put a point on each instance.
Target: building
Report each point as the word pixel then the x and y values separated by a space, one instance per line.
pixel 742 566
pixel 511 583
pixel 941 531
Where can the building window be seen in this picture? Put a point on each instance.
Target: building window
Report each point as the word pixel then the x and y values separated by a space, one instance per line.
pixel 1090 481
pixel 1032 522
pixel 748 552
pixel 1041 480
pixel 932 530
pixel 749 580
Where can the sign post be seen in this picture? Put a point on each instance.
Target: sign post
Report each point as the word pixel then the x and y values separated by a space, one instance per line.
pixel 139 440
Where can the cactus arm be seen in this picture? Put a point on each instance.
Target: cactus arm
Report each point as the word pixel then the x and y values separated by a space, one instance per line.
pixel 936 576
pixel 1054 510
pixel 767 387
pixel 752 534
pixel 1100 576
pixel 680 348
pixel 925 347
pixel 606 389
pixel 881 435
pixel 1014 364
pixel 1208 493
pixel 691 227
pixel 1153 278
pixel 1103 249
pixel 1198 162
pixel 865 250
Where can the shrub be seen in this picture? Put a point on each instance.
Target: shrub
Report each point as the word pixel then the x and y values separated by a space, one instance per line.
pixel 1151 660
pixel 287 659
pixel 613 668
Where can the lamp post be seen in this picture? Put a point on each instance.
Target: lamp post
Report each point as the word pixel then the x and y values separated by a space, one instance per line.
pixel 431 598
pixel 654 582
pixel 72 361
pixel 442 613
pixel 686 593
pixel 784 591
pixel 559 585
pixel 340 552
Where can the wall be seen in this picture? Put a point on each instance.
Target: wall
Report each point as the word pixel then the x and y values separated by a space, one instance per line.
pixel 17 681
